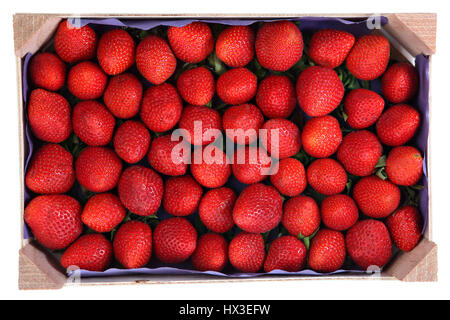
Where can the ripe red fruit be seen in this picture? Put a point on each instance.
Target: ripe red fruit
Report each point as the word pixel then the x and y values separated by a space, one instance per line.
pixel 301 216
pixel 321 136
pixel 404 165
pixel 399 83
pixel 123 95
pixel 363 108
pixel 211 253
pixel 210 120
pixel 327 176
pixel 49 116
pixel 339 212
pixel 329 48
pixel 286 253
pixel 288 138
pixel 216 209
pixel 47 71
pixel 377 198
pixel 174 240
pixel 405 226
pixel 290 180
pixel 91 252
pixel 51 170
pixel 55 220
pixel 98 169
pixel 74 44
pixel 246 252
pixel 86 81
pixel 235 46
pixel 242 123
pixel 140 190
pixel 251 164
pixel 214 169
pixel 237 86
pixel 131 141
pixel 161 159
pixel 360 152
pixel 276 96
pixel 182 196
pixel 103 212
pixel 319 91
pixel 327 251
pixel 116 51
pixel 369 57
pixel 368 243
pixel 196 86
pixel 279 45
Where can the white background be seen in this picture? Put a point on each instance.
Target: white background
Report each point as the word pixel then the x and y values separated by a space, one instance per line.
pixel 440 158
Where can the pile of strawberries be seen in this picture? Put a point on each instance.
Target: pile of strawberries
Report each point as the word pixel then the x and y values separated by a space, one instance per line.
pixel 339 188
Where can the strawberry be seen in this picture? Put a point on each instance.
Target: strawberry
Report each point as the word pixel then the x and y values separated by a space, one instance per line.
pixel 214 168
pixel 235 46
pixel 399 83
pixel 86 81
pixel 368 243
pixel 55 220
pixel 154 59
pixel 276 96
pixel 47 71
pixel 196 86
pixel 51 170
pixel 74 44
pixel 211 253
pixel 258 208
pixel 191 43
pixel 301 216
pixel 98 169
pixel 237 86
pixel 369 57
pixel 321 136
pixel 181 196
pixel 91 252
pixel 363 108
pixel 339 212
pixel 140 190
pixel 210 124
pixel 242 123
pixel 49 116
pixel 319 91
pixel 405 226
pixel 377 198
pixel 327 252
pixel 398 124
pixel 246 252
pixel 175 240
pixel 123 95
pixel 329 48
pixel 251 164
pixel 133 244
pixel 131 141
pixel 161 107
pixel 283 138
pixel 404 165
pixel 103 212
pixel 93 123
pixel 327 176
pixel 216 209
pixel 162 160
pixel 360 152
pixel 279 45
pixel 286 253
pixel 116 51
pixel 290 180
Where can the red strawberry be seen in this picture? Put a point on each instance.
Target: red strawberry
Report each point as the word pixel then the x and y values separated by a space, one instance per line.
pixel 55 220
pixel 286 253
pixel 251 164
pixel 209 119
pixel 86 81
pixel 404 165
pixel 216 209
pixel 175 240
pixel 321 136
pixel 327 252
pixel 360 152
pixel 47 71
pixel 116 51
pixel 286 142
pixel 131 141
pixel 98 169
pixel 235 46
pixel 123 95
pixel 154 59
pixel 182 196
pixel 242 123
pixel 258 208
pixel 369 57
pixel 363 108
pixel 141 190
pixel 276 96
pixel 133 244
pixel 237 86
pixel 290 180
pixel 246 252
pixel 191 43
pixel 301 216
pixel 91 252
pixel 399 83
pixel 50 170
pixel 377 198
pixel 211 253
pixel 329 47
pixel 319 91
pixel 162 160
pixel 103 212
pixel 49 116
pixel 327 176
pixel 74 44
pixel 368 243
pixel 405 226
pixel 398 124
pixel 196 86
pixel 93 123
pixel 279 45
pixel 214 168
pixel 339 212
